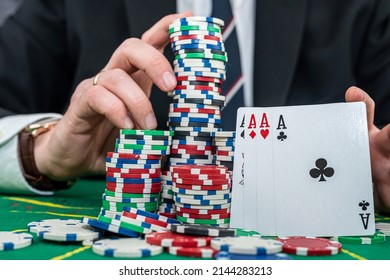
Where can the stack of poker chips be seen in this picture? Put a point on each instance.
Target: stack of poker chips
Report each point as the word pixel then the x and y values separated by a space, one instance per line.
pixel 133 172
pixel 202 194
pixel 223 142
pixel 167 204
pixel 200 69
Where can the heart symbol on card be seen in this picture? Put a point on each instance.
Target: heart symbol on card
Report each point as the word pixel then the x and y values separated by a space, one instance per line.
pixel 264 132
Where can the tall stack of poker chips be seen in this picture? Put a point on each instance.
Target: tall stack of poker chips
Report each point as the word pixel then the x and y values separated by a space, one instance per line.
pixel 200 69
pixel 202 194
pixel 223 142
pixel 133 172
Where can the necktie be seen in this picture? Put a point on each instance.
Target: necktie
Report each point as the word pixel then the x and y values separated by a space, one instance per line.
pixel 233 87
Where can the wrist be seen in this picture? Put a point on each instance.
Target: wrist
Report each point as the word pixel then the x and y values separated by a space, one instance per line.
pixel 32 144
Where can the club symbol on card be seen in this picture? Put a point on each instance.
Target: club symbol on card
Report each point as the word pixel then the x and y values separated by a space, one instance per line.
pixel 282 136
pixel 364 204
pixel 322 170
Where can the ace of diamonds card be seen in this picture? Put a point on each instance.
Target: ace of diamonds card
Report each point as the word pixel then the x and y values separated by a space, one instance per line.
pixel 309 170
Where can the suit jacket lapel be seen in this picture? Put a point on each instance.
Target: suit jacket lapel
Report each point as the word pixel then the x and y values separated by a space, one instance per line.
pixel 279 29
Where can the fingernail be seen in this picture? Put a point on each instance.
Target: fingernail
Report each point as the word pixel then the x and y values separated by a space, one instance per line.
pixel 150 121
pixel 129 123
pixel 169 80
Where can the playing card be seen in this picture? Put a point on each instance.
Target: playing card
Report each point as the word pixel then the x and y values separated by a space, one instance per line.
pixel 322 170
pixel 237 204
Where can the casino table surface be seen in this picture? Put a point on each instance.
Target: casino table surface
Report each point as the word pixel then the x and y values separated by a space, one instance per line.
pixel 84 199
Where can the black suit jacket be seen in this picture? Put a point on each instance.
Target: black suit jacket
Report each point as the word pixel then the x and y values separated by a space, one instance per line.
pixel 307 52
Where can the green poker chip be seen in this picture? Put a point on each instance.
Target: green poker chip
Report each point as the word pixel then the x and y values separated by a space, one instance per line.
pixel 202 55
pixel 194 27
pixel 121 224
pixel 142 147
pixel 129 195
pixel 146 132
pixel 376 238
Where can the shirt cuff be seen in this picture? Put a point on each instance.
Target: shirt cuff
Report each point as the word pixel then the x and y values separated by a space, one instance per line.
pixel 11 175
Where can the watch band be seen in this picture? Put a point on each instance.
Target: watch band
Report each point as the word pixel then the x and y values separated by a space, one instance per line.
pixel 29 168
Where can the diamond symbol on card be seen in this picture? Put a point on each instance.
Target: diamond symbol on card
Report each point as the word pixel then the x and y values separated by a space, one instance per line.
pixel 252 134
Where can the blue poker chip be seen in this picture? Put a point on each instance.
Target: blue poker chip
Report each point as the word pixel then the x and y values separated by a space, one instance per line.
pixel 202 120
pixel 227 256
pixel 201 19
pixel 202 202
pixel 109 227
pixel 133 181
pixel 189 114
pixel 132 161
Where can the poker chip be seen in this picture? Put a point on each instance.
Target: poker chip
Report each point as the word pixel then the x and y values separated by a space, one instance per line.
pixel 132 166
pixel 137 227
pixel 376 238
pixel 143 142
pixel 35 226
pixel 203 207
pixel 144 199
pixel 194 169
pixel 135 172
pixel 383 228
pixel 69 232
pixel 200 62
pixel 247 245
pixel 197 252
pixel 196 33
pixel 125 248
pixel 202 187
pixel 200 192
pixel 146 132
pixel 131 156
pixel 130 219
pixel 200 19
pixel 309 246
pixel 201 201
pixel 202 221
pixel 162 224
pixel 228 256
pixel 203 230
pixel 109 227
pixel 172 239
pixel 120 149
pixel 14 240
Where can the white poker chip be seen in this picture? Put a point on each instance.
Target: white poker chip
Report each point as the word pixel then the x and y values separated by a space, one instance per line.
pixel 125 248
pixel 36 225
pixel 14 240
pixel 383 227
pixel 247 245
pixel 69 232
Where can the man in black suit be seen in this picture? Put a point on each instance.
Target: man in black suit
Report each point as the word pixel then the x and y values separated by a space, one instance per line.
pixel 306 52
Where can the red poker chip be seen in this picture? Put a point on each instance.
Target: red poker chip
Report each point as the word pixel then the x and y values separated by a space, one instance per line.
pixel 194 110
pixel 196 252
pixel 310 246
pixel 200 79
pixel 134 171
pixel 201 176
pixel 199 169
pixel 172 239
pixel 205 182
pixel 203 216
pixel 168 215
pixel 132 156
pixel 202 211
pixel 201 187
pixel 224 153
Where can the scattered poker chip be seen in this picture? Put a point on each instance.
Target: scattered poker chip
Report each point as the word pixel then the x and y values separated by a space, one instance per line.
pixel 310 246
pixel 130 226
pixel 227 256
pixel 131 219
pixel 109 227
pixel 150 215
pixel 37 225
pixel 125 248
pixel 383 228
pixel 161 224
pixel 14 240
pixel 247 245
pixel 70 232
pixel 203 230
pixel 197 252
pixel 172 239
pixel 376 238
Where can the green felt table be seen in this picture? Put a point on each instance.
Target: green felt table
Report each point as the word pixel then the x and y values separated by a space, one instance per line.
pixel 84 199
